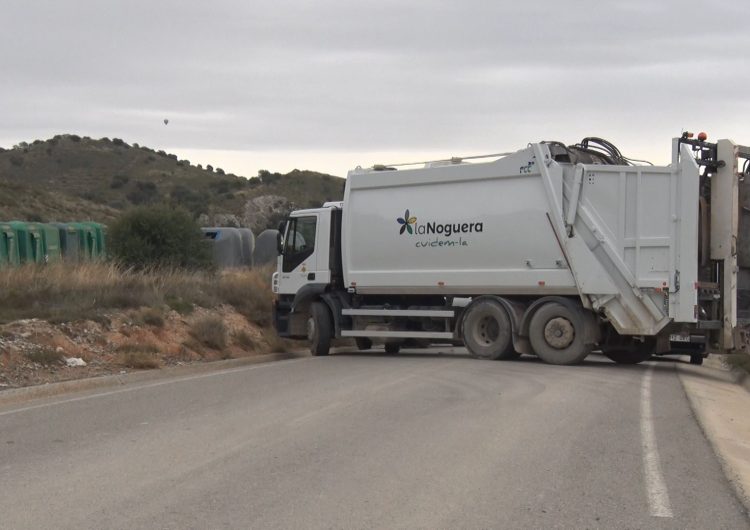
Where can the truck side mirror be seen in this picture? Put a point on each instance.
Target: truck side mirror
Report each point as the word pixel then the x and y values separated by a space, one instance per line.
pixel 280 237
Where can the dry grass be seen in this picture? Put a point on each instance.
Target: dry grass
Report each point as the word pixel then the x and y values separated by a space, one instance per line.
pixel 250 294
pixel 140 356
pixel 210 331
pixel 44 356
pixel 275 343
pixel 68 292
pixel 739 361
pixel 137 347
pixel 243 339
pixel 140 360
pixel 151 316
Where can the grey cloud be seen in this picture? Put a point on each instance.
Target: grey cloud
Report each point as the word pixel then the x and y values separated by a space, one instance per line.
pixel 338 74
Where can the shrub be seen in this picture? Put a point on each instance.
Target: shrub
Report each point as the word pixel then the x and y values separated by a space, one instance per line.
pixel 159 237
pixel 179 304
pixel 244 340
pixel 144 193
pixel 146 347
pixel 45 356
pixel 219 186
pixel 152 317
pixel 210 331
pixel 140 356
pixel 275 343
pixel 739 361
pixel 118 181
pixel 249 294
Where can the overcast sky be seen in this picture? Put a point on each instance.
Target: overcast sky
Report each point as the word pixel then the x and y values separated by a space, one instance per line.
pixel 329 84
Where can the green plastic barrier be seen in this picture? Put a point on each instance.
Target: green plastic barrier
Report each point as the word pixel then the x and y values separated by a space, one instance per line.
pixel 30 242
pixel 8 246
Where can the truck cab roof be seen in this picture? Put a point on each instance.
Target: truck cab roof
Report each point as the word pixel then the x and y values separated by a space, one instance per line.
pixel 309 211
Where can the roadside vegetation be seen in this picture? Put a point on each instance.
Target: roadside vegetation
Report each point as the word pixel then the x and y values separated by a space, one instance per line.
pixel 115 318
pixel 158 301
pixel 88 291
pixel 739 361
pixel 159 237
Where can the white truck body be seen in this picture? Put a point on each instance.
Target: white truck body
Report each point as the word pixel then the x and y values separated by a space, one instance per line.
pixel 501 227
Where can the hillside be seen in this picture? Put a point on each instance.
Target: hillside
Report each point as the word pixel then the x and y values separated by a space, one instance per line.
pixel 69 177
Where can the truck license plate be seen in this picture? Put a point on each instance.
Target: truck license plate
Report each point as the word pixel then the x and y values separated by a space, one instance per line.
pixel 679 338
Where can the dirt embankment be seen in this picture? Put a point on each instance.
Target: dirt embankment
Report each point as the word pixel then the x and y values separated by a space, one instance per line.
pixel 34 351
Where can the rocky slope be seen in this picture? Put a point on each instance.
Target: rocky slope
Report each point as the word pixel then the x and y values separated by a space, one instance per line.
pixel 36 351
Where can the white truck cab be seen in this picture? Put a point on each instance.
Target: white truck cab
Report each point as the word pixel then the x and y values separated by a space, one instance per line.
pixel 301 262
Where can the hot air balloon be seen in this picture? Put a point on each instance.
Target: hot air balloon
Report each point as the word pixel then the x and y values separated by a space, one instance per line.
pixel 166 121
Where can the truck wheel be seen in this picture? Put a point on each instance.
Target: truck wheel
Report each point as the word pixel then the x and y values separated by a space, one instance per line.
pixel 392 347
pixel 696 359
pixel 627 356
pixel 363 343
pixel 487 332
pixel 557 334
pixel 319 328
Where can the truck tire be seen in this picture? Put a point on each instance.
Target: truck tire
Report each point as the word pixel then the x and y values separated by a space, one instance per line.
pixel 627 356
pixel 696 359
pixel 557 334
pixel 392 347
pixel 319 327
pixel 487 332
pixel 363 343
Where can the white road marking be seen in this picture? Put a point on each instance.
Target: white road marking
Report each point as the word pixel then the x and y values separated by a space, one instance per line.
pixel 152 385
pixel 656 487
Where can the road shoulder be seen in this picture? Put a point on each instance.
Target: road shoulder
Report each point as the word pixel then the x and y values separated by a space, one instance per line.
pixel 721 403
pixel 27 394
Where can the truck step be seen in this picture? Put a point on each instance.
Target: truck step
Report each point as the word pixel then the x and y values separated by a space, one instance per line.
pixel 708 324
pixel 398 334
pixel 431 313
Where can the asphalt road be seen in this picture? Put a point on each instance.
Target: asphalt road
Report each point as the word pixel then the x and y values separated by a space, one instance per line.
pixel 370 441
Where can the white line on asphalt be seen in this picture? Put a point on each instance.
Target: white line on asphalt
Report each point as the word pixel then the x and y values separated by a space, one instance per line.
pixel 152 385
pixel 656 488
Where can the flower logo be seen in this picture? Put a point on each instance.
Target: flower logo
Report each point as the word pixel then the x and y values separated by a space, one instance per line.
pixel 406 223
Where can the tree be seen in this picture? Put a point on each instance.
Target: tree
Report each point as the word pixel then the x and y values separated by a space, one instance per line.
pixel 161 237
pixel 144 193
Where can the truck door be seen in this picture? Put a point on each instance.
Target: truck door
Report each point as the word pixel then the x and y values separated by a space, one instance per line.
pixel 299 261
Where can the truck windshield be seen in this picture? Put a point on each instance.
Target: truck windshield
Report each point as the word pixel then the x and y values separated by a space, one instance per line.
pixel 299 243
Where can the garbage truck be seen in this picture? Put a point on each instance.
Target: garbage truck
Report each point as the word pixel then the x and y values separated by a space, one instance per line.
pixel 553 250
